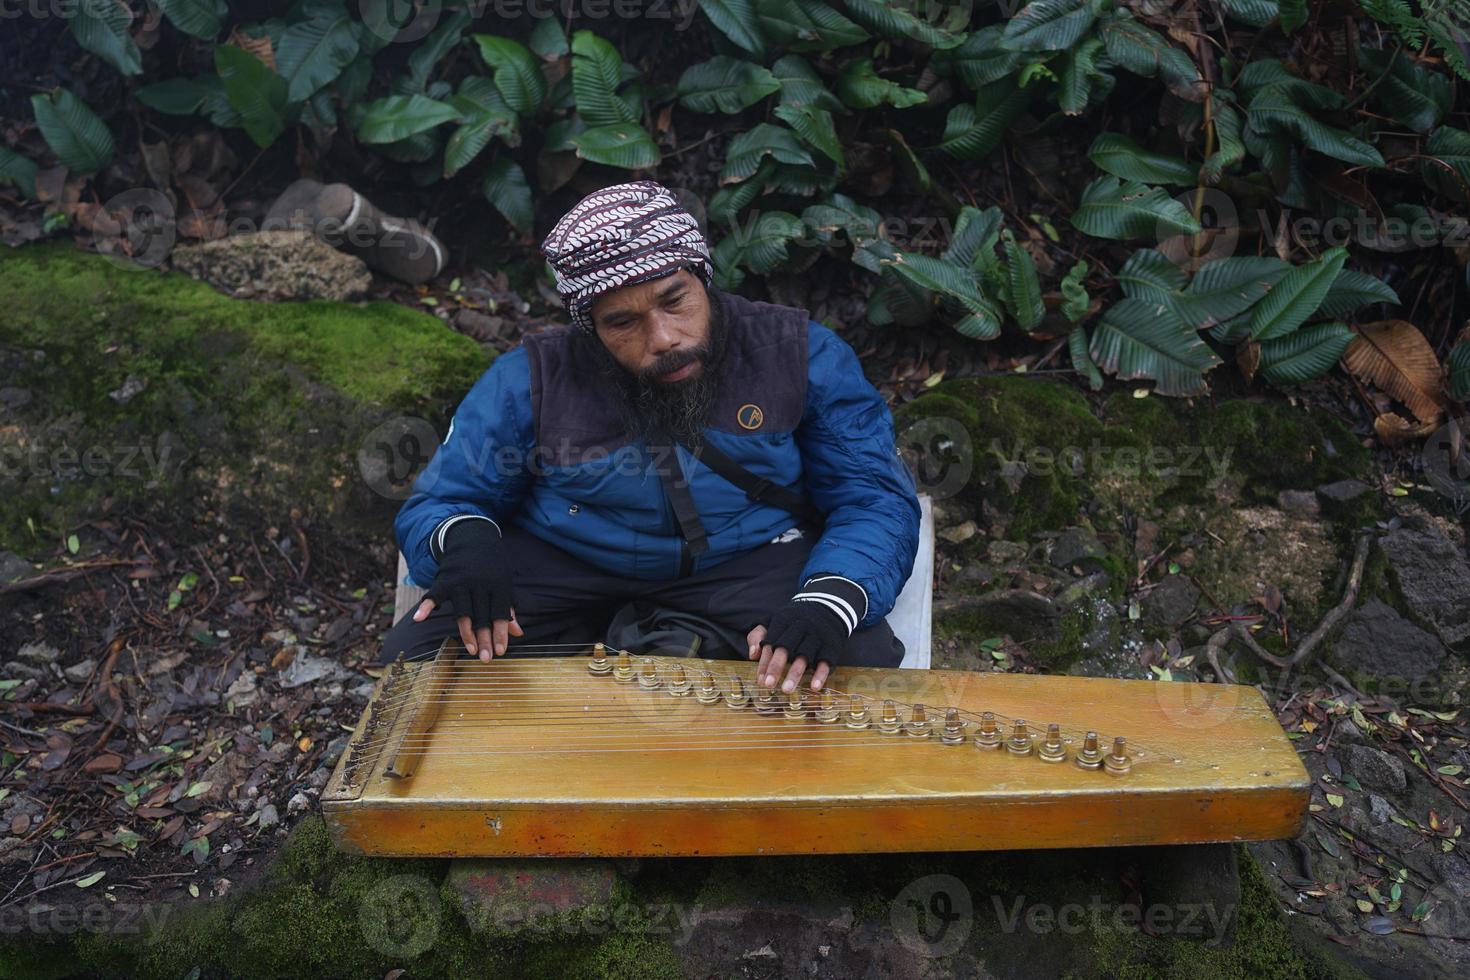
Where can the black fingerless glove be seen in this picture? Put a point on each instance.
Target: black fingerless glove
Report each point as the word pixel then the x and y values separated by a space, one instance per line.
pixel 817 621
pixel 474 571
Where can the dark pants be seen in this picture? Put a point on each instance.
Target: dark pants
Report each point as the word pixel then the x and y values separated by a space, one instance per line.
pixel 561 599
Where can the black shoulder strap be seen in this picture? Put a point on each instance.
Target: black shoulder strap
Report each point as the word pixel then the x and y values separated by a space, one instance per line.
pixel 757 488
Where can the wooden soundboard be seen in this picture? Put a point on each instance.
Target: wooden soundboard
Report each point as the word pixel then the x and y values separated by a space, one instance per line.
pixel 616 755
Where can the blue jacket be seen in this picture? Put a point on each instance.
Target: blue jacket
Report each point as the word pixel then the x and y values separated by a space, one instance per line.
pixel 538 442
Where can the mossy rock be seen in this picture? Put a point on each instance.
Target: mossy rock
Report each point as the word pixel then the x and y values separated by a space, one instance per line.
pixel 258 405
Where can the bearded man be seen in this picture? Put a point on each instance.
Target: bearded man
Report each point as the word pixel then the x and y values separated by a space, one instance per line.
pixel 679 454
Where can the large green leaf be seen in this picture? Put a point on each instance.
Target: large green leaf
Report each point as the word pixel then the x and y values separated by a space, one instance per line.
pixel 1136 339
pixel 1111 208
pixel 972 131
pixel 724 85
pixel 801 85
pixel 1352 290
pixel 806 25
pixel 1081 76
pixel 506 188
pixel 912 19
pixel 762 245
pixel 816 127
pixel 1075 301
pixel 1023 292
pixel 101 27
pixel 516 72
pixel 203 19
pixel 1304 354
pixel 980 59
pixel 736 20
pixel 980 317
pixel 1256 13
pixel 747 150
pixel 859 86
pixel 1226 288
pixel 548 39
pixel 312 53
pixel 1408 92
pixel 1118 155
pixel 1082 361
pixel 399 117
pixel 1448 170
pixel 1293 14
pixel 624 145
pixel 1275 109
pixel 1297 296
pixel 1150 275
pixel 80 140
pixel 1145 52
pixel 861 225
pixel 178 96
pixel 1457 367
pixel 972 243
pixel 17 170
pixel 427 55
pixel 1049 25
pixel 597 71
pixel 481 121
pixel 257 93
pixel 1230 147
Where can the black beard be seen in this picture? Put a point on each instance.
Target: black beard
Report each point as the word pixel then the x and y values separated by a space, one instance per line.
pixel 652 410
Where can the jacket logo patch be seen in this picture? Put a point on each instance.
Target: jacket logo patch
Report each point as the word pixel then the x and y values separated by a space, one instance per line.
pixel 750 416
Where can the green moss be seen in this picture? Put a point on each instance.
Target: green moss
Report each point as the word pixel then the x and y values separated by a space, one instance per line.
pixel 1274 446
pixel 260 404
pixel 1263 946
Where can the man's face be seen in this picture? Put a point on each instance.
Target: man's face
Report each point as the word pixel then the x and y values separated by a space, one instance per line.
pixel 658 331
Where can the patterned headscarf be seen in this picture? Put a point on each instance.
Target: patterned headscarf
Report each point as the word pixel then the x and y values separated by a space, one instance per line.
pixel 618 236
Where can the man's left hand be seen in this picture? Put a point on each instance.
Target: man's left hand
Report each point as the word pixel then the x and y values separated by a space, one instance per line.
pixel 800 634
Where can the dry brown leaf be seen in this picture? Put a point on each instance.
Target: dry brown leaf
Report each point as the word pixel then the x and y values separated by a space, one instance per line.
pixel 1394 355
pixel 1395 430
pixel 258 46
pixel 1248 357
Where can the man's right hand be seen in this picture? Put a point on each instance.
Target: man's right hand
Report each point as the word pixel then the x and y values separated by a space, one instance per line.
pixel 474 577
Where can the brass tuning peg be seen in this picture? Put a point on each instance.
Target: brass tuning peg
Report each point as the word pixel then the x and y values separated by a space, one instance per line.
pixel 954 728
pixel 623 669
pixel 736 696
pixel 1053 749
pixel 888 723
pixel 826 710
pixel 988 736
pixel 648 674
pixel 1020 741
pixel 857 713
pixel 1117 762
pixel 599 663
pixel 708 692
pixel 919 724
pixel 1089 756
pixel 679 684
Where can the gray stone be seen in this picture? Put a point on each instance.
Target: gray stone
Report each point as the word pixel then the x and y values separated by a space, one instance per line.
pixel 13 567
pixel 1376 640
pixel 1087 587
pixel 14 850
pixel 1020 614
pixel 1433 577
pixel 501 896
pixel 960 533
pixel 1380 811
pixel 1005 552
pixel 39 653
pixel 13 397
pixel 289 265
pixel 1342 492
pixel 1301 503
pixel 14 669
pixel 1171 601
pixel 1375 769
pixel 308 668
pixel 81 672
pixel 1078 546
pixel 268 816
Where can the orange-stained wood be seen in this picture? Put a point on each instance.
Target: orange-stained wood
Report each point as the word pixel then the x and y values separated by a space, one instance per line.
pixel 537 756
